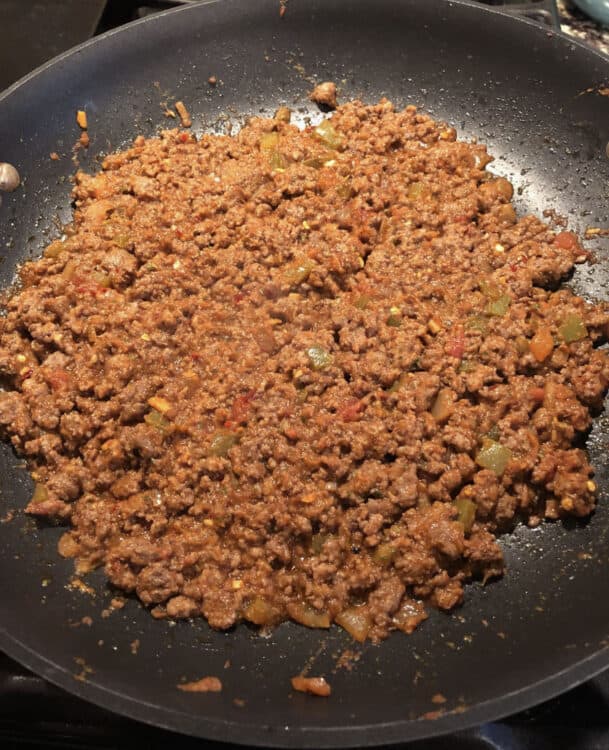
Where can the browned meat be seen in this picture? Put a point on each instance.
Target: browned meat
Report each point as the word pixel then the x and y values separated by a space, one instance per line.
pixel 302 374
pixel 324 94
pixel 204 685
pixel 312 685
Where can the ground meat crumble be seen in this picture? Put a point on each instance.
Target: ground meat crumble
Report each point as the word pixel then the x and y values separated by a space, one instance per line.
pixel 301 375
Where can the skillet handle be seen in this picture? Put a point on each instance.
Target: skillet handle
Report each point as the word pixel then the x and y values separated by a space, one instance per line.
pixel 543 12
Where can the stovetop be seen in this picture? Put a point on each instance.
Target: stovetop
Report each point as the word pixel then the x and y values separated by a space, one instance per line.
pixel 35 714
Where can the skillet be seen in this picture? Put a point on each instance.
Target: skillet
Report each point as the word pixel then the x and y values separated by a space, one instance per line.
pixel 534 97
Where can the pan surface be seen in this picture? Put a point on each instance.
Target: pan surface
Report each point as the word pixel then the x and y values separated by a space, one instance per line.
pixel 533 97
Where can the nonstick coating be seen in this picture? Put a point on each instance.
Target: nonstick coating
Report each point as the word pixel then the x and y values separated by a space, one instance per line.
pixel 533 97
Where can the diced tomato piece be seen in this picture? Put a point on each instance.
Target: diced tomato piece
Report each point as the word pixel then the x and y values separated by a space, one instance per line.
pixel 351 410
pixel 537 394
pixel 455 346
pixel 184 137
pixel 542 344
pixel 85 285
pixel 566 241
pixel 241 406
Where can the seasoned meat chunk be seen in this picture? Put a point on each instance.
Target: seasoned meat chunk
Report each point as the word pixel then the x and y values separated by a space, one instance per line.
pixel 325 94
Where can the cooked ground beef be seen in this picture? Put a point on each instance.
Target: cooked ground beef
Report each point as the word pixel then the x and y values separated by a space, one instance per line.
pixel 302 374
pixel 204 685
pixel 324 94
pixel 312 685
